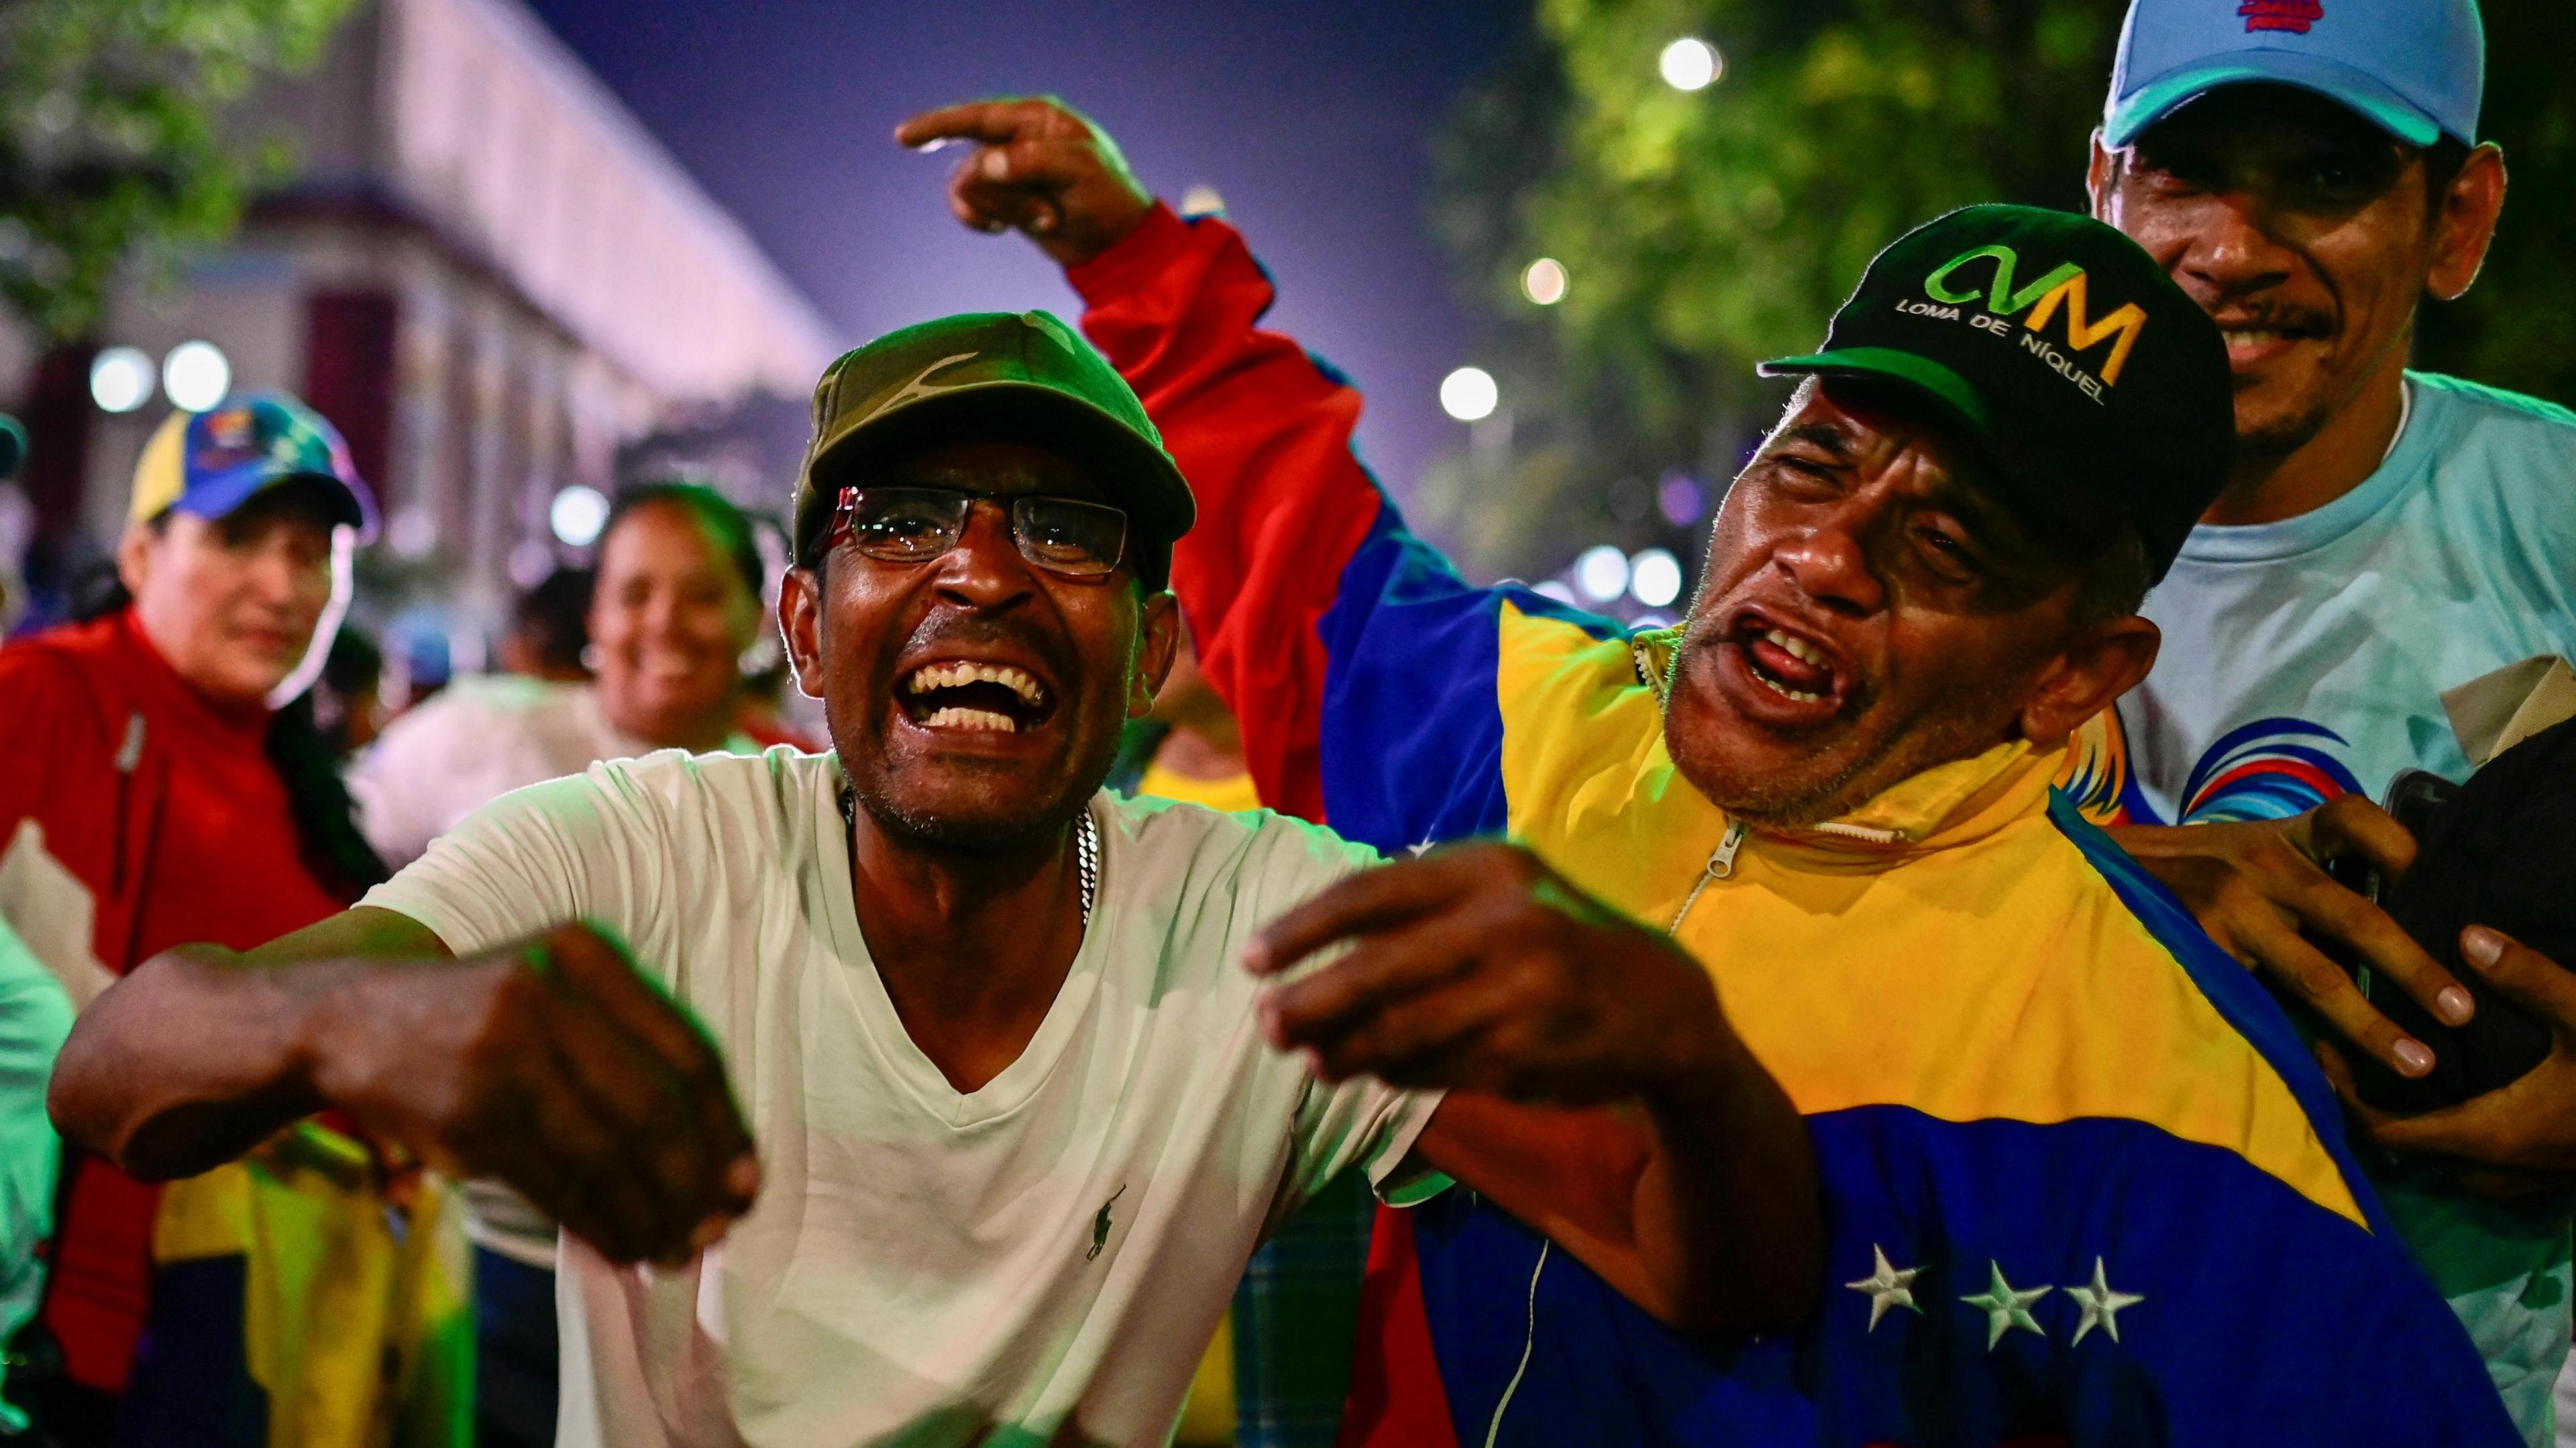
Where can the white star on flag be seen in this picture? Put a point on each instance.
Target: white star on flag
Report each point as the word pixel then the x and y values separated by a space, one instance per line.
pixel 1887 1287
pixel 1418 851
pixel 2006 1309
pixel 2101 1305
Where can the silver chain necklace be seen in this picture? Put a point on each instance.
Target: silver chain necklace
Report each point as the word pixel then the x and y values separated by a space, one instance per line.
pixel 1086 860
pixel 1086 849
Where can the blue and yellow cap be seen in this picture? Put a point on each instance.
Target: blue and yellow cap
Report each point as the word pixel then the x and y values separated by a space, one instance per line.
pixel 209 463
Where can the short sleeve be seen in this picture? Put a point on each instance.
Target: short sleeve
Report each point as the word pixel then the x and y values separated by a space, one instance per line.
pixel 1362 1122
pixel 1365 1123
pixel 587 846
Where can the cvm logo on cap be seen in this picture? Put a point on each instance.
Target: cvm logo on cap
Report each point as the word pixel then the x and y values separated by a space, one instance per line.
pixel 2060 290
pixel 2294 16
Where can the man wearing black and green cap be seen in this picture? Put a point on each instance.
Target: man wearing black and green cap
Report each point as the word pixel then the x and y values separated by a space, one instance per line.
pixel 982 1066
pixel 2081 1181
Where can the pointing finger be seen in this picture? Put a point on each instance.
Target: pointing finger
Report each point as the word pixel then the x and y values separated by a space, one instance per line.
pixel 987 120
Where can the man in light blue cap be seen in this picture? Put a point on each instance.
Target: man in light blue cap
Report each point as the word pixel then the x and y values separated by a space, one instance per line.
pixel 2309 171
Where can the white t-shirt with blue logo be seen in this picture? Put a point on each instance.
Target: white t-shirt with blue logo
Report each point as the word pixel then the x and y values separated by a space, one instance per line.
pixel 2305 659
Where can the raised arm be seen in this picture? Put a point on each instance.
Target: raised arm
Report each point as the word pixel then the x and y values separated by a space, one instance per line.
pixel 1596 1089
pixel 1307 596
pixel 550 1065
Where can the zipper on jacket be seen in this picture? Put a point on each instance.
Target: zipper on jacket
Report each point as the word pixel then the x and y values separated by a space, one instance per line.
pixel 1721 863
pixel 128 755
pixel 1871 834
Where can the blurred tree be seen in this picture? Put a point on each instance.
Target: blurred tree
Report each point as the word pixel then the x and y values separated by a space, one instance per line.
pixel 2511 329
pixel 1704 230
pixel 110 145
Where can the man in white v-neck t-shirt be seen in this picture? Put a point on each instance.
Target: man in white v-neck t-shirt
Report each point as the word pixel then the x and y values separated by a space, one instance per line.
pixel 988 1081
pixel 1078 1221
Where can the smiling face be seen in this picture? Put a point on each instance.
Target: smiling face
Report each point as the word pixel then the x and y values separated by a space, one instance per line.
pixel 2306 233
pixel 1870 612
pixel 231 603
pixel 670 616
pixel 975 698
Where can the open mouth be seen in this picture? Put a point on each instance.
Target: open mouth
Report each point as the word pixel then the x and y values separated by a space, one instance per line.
pixel 1789 666
pixel 960 696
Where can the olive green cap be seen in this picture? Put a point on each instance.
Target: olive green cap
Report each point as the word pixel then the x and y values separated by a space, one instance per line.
pixel 991 376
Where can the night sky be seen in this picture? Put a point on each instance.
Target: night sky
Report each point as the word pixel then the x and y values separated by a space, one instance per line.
pixel 1312 120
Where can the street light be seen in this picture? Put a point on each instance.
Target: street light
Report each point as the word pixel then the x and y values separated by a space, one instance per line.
pixel 1655 577
pixel 1469 394
pixel 1543 281
pixel 195 376
pixel 1690 64
pixel 1601 573
pixel 120 379
pixel 577 514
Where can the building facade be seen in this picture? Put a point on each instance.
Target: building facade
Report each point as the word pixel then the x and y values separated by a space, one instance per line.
pixel 484 270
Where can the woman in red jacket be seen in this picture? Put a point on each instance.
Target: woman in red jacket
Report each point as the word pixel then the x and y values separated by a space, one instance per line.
pixel 150 795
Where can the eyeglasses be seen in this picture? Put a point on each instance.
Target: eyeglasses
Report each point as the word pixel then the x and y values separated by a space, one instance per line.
pixel 915 525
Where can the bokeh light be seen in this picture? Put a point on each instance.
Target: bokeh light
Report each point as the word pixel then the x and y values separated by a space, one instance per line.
pixel 120 379
pixel 1681 499
pixel 578 514
pixel 1655 577
pixel 1469 394
pixel 195 376
pixel 1601 573
pixel 1690 64
pixel 1543 281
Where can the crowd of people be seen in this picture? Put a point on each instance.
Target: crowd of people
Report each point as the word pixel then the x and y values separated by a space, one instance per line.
pixel 1958 986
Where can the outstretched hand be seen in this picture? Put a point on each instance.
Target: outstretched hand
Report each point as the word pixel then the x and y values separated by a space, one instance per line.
pixel 1685 1177
pixel 1039 167
pixel 1479 967
pixel 552 1066
pixel 2261 891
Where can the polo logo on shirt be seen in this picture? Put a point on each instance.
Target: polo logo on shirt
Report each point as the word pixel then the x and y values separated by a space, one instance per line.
pixel 1100 1223
pixel 2294 16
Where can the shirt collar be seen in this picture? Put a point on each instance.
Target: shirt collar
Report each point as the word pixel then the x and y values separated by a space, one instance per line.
pixel 1942 807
